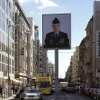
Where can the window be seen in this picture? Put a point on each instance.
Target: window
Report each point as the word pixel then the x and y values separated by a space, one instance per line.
pixel 0 14
pixel 12 62
pixel 13 70
pixel 0 23
pixel 0 67
pixel 99 37
pixel 0 45
pixel 0 36
pixel 0 57
pixel 3 5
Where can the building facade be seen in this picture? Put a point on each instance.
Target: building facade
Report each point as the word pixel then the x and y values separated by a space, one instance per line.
pixel 7 48
pixel 23 46
pixel 74 66
pixel 96 43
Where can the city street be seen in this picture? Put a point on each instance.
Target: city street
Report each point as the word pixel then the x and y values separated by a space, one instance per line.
pixel 64 96
pixel 67 96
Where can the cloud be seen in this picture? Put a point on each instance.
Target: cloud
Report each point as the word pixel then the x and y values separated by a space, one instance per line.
pixel 24 1
pixel 44 3
pixel 47 3
pixel 32 12
pixel 36 1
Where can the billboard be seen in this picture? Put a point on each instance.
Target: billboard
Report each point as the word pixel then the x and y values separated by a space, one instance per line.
pixel 56 31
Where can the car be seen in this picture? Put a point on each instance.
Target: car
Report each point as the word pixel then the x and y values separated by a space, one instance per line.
pixel 70 88
pixel 77 86
pixel 87 91
pixel 33 94
pixel 97 94
pixel 93 94
pixel 63 88
pixel 52 88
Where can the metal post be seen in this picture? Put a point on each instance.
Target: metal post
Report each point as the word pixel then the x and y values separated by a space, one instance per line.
pixel 8 60
pixel 56 74
pixel 52 71
pixel 37 42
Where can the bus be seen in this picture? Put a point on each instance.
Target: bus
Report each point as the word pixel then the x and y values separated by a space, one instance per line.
pixel 62 84
pixel 44 84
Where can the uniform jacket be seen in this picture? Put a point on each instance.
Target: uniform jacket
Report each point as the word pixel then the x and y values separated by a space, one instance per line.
pixel 61 41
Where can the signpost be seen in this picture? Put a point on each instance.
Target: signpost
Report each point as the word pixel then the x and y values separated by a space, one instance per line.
pixel 56 35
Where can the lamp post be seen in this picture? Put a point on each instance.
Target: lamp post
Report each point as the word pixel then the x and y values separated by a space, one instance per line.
pixel 8 59
pixel 37 46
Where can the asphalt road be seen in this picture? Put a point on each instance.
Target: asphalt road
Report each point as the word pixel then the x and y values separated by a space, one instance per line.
pixel 64 96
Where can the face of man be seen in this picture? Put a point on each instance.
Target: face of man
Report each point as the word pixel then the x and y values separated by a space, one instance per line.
pixel 56 28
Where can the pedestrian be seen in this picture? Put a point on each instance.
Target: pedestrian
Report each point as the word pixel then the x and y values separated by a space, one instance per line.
pixel 22 93
pixel 33 87
pixel 1 88
pixel 56 38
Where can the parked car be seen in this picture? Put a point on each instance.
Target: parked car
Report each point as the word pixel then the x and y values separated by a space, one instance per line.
pixel 90 92
pixel 70 88
pixel 63 88
pixel 77 86
pixel 94 92
pixel 97 94
pixel 52 88
pixel 87 91
pixel 33 94
pixel 84 90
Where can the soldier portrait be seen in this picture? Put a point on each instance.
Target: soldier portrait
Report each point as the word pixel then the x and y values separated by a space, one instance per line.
pixel 56 38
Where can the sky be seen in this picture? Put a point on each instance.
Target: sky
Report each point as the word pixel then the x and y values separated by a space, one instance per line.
pixel 81 12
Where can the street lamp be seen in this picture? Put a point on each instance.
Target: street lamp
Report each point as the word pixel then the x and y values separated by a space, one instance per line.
pixel 37 46
pixel 8 59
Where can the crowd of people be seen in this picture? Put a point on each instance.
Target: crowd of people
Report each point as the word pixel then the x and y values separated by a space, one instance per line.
pixel 16 89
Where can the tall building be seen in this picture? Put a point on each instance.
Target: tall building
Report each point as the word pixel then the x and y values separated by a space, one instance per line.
pixel 7 49
pixel 30 47
pixel 74 68
pixel 96 42
pixel 36 52
pixel 23 60
pixel 43 60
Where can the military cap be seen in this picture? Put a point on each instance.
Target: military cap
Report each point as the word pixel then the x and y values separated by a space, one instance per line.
pixel 55 21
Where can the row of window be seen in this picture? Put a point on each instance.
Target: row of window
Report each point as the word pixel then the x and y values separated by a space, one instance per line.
pixel 6 29
pixel 4 48
pixel 4 40
pixel 8 8
pixel 4 60
pixel 5 22
pixel 4 68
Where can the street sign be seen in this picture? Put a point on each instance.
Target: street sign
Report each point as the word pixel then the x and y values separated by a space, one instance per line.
pixel 56 31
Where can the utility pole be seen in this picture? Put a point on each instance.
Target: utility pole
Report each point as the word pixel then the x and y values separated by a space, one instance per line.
pixel 8 59
pixel 37 46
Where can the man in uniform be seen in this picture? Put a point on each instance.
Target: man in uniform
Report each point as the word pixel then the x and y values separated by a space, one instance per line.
pixel 56 39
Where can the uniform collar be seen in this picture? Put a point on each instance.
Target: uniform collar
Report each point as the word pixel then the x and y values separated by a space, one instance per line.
pixel 57 33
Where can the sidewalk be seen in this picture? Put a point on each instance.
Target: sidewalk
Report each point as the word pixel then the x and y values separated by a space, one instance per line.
pixel 7 98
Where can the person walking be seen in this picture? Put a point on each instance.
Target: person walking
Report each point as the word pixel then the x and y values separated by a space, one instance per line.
pixel 22 93
pixel 1 88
